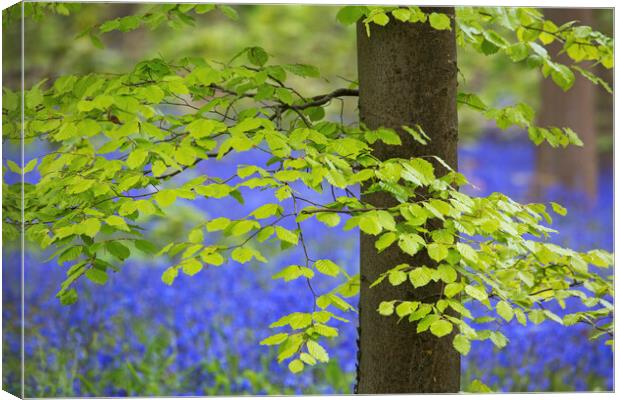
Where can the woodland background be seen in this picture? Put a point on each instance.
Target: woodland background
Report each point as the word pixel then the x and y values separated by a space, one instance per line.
pixel 199 336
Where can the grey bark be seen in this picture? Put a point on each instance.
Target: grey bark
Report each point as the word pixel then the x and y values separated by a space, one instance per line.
pixel 407 76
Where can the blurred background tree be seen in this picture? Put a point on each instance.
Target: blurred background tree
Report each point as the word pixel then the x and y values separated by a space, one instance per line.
pixel 585 108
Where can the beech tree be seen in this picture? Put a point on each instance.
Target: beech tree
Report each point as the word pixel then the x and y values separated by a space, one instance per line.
pixel 440 269
pixel 407 77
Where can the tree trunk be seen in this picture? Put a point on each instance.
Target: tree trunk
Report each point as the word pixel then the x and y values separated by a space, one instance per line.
pixel 573 167
pixel 407 76
pixel 604 22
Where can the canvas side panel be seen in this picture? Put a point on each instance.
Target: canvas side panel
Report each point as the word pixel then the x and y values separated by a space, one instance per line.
pixel 12 283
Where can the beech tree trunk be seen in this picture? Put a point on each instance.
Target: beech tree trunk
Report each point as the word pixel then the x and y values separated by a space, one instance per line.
pixel 573 167
pixel 407 76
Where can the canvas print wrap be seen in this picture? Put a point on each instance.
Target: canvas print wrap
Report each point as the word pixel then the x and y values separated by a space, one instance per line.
pixel 210 199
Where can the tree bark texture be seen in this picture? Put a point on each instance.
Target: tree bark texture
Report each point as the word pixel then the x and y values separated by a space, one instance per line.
pixel 604 22
pixel 572 167
pixel 407 76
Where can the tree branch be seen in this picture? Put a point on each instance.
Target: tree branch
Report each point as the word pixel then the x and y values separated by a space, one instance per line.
pixel 325 98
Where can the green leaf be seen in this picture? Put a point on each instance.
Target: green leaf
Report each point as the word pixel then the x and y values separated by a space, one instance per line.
pixel 324 330
pixel 300 320
pixel 439 208
pixel 421 312
pixel 209 256
pixel 146 247
pixel 406 307
pixel 426 322
pixel 401 14
pixel 153 94
pixel 537 316
pixel 285 96
pixel 117 222
pixel 274 339
pixel 70 254
pixel 189 251
pixel 410 243
pixel 419 172
pixel 246 170
pixel 145 207
pixel 266 211
pixel 229 12
pixel 90 227
pixel 387 136
pixel 296 366
pixel 563 76
pixel 286 235
pixel 558 209
pixel 14 167
pixel 317 351
pixel 265 233
pixel 191 266
pixel 242 255
pixel 439 21
pixel 420 276
pixel 329 219
pixel 441 327
pixel 478 387
pixel 201 128
pixel 30 166
pixel 97 276
pixel 369 223
pixel 462 344
pixel 204 8
pixel 476 292
pixel 348 15
pixel 498 339
pixel 196 235
pixel 447 274
pixel 437 251
pixel 520 315
pixel 127 208
pixel 34 97
pixel 242 227
pixel 165 197
pixel 218 224
pixel 68 297
pixel 169 275
pixel 397 277
pixel 293 272
pixel 380 19
pixel 303 70
pixel 327 267
pixel 95 40
pixel 386 220
pixel 290 347
pixel 385 241
pixel 386 308
pixel 177 87
pixel 287 175
pixel 452 289
pixel 505 310
pixel 307 358
pixel 467 252
pixel 118 250
pixel 257 56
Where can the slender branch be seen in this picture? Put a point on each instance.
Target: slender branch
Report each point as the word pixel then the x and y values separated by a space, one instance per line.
pixel 325 98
